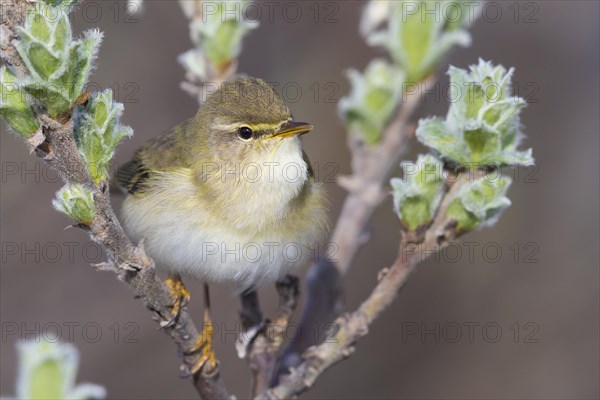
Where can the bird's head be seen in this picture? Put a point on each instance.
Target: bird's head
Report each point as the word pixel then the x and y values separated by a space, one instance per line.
pixel 247 121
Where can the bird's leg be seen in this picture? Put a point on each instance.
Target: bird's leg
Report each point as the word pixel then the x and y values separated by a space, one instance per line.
pixel 180 296
pixel 250 314
pixel 253 322
pixel 204 343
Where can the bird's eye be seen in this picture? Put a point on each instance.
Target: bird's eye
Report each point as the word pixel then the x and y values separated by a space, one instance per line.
pixel 244 133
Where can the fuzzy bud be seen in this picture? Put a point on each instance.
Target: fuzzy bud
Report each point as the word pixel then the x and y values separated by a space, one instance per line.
pixel 418 194
pixel 482 127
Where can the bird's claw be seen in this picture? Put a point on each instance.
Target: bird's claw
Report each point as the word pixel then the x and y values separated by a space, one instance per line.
pixel 180 298
pixel 203 346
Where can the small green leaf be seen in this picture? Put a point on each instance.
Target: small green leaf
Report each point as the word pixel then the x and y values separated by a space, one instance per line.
pixel 82 56
pixel 221 47
pixel 416 38
pixel 44 62
pixel 466 221
pixel 479 203
pixel 76 202
pixel 481 142
pixel 14 107
pixel 418 194
pixel 50 96
pixel 475 99
pixel 40 29
pixel 46 381
pixel 62 35
pixel 439 135
pixel 100 112
pixel 415 211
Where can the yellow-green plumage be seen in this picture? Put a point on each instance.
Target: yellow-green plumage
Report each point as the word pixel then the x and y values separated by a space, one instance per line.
pixel 211 204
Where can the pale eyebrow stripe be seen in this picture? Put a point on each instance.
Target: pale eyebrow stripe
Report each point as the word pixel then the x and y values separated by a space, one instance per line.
pixel 256 127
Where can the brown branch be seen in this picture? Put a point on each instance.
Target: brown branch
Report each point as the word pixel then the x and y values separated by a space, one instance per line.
pixel 349 328
pixel 370 168
pixel 54 144
pixel 13 15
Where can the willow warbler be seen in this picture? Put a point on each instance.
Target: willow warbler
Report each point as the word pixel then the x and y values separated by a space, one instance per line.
pixel 228 196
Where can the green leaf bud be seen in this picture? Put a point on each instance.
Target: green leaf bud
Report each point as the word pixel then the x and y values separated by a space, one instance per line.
pixel 479 203
pixel 418 33
pixel 58 65
pixel 14 107
pixel 98 132
pixel 48 370
pixel 372 100
pixel 219 32
pixel 418 194
pixel 77 202
pixel 483 123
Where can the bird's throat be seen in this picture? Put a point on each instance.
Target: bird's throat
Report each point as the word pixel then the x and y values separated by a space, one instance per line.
pixel 260 191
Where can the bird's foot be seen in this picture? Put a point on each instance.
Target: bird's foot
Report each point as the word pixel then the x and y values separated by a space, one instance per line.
pixel 180 298
pixel 203 345
pixel 246 338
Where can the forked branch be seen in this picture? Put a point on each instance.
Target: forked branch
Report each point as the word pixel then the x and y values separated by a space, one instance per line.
pixel 349 328
pixel 371 165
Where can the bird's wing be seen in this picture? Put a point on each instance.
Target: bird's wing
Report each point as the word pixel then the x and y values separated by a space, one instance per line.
pixel 311 173
pixel 161 154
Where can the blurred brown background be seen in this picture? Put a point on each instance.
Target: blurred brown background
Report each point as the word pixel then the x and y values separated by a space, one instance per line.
pixel 553 222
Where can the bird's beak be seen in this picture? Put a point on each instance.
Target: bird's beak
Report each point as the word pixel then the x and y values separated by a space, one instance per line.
pixel 292 129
